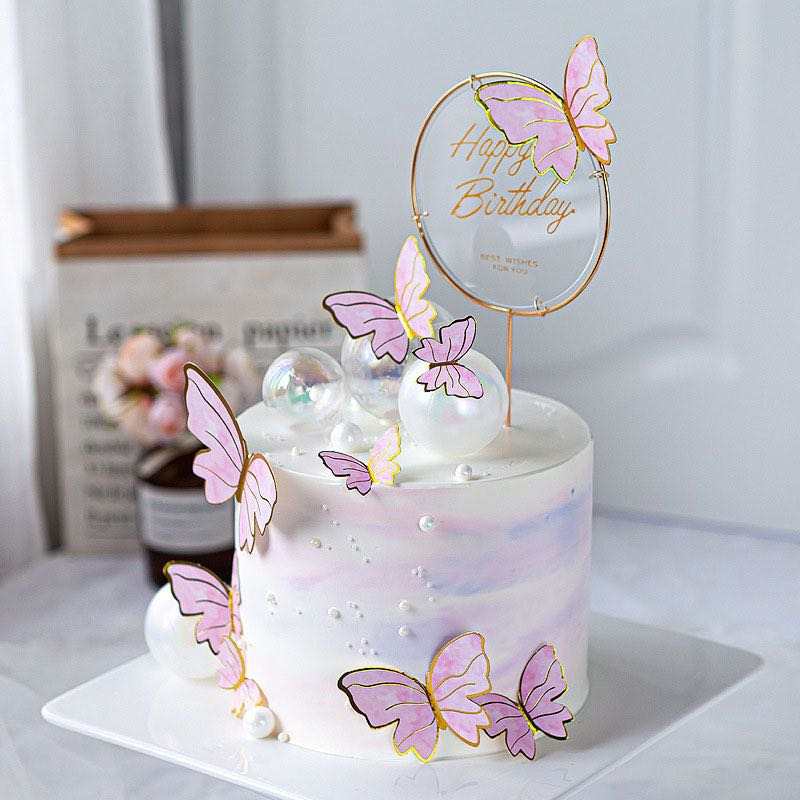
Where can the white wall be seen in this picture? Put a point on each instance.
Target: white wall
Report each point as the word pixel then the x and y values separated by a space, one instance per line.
pixel 683 355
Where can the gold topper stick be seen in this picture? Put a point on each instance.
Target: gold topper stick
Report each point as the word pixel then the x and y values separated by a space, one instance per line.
pixel 514 154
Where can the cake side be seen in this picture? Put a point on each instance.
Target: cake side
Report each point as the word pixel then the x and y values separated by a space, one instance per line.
pixel 342 582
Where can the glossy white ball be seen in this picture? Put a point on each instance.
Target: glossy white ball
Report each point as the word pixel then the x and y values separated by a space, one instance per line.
pixel 304 385
pixel 454 426
pixel 347 437
pixel 463 473
pixel 259 722
pixel 171 639
pixel 375 382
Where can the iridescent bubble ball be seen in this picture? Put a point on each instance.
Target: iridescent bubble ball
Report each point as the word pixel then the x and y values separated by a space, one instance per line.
pixel 375 382
pixel 454 426
pixel 304 385
pixel 170 637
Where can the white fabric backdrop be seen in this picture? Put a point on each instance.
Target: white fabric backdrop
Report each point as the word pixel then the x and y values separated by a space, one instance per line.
pixel 80 89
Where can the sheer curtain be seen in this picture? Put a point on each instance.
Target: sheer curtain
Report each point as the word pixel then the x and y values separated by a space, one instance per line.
pixel 83 124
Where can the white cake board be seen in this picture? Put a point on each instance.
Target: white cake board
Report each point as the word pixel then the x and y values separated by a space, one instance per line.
pixel 645 682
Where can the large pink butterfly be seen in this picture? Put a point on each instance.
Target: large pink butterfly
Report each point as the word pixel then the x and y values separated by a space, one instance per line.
pixel 380 467
pixel 226 466
pixel 200 592
pixel 391 325
pixel 535 709
pixel 443 355
pixel 525 111
pixel 231 675
pixel 459 673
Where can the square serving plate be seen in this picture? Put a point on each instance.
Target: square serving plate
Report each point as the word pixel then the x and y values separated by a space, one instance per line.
pixel 645 682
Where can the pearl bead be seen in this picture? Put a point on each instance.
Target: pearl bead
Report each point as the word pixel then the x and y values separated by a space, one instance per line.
pixel 283 737
pixel 404 605
pixel 259 722
pixel 334 613
pixel 426 523
pixel 404 631
pixel 315 542
pixel 463 473
pixel 364 641
pixel 347 437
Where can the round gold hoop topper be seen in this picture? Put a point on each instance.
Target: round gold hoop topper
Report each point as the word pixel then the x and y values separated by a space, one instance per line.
pixel 505 235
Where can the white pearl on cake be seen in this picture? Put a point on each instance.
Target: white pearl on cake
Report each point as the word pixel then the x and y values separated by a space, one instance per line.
pixel 304 385
pixel 426 523
pixel 463 473
pixel 404 605
pixel 404 631
pixel 347 437
pixel 315 542
pixel 334 613
pixel 454 426
pixel 171 639
pixel 283 737
pixel 259 722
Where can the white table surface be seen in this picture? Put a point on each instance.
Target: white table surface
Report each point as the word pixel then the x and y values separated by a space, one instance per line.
pixel 739 589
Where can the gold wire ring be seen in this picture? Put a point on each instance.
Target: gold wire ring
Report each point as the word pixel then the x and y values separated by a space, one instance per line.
pixel 418 214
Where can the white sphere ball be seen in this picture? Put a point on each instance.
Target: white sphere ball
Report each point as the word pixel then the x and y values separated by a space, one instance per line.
pixel 304 385
pixel 170 637
pixel 375 382
pixel 347 437
pixel 454 426
pixel 259 722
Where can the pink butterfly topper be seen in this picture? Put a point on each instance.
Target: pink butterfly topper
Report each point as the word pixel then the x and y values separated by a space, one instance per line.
pixel 231 675
pixel 200 592
pixel 380 467
pixel 459 673
pixel 443 355
pixel 391 325
pixel 525 111
pixel 226 466
pixel 536 707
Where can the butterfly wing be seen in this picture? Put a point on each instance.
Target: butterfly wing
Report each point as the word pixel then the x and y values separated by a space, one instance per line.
pixel 200 592
pixel 459 673
pixel 540 686
pixel 525 111
pixel 586 93
pixel 506 717
pixel 411 281
pixel 211 420
pixel 384 697
pixel 365 314
pixel 455 341
pixel 247 695
pixel 345 466
pixel 381 461
pixel 259 496
pixel 231 676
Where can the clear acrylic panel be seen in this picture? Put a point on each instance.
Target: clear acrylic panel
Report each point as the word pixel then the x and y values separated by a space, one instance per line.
pixel 505 235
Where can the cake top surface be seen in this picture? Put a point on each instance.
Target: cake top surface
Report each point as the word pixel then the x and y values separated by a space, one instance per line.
pixel 545 433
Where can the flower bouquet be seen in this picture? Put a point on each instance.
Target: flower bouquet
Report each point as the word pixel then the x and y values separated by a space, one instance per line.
pixel 140 388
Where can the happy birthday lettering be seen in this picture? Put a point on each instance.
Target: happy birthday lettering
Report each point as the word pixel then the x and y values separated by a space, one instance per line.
pixel 477 195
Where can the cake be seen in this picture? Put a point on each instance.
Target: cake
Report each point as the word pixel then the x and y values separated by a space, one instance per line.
pixel 342 582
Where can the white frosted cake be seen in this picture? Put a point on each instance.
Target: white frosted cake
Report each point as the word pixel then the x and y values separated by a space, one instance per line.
pixel 342 582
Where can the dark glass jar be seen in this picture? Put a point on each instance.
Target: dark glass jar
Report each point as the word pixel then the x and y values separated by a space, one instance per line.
pixel 174 520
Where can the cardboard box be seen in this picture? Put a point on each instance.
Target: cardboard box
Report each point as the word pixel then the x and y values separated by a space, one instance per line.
pixel 254 276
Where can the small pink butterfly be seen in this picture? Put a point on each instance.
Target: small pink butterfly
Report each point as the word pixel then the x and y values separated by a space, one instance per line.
pixel 525 111
pixel 459 673
pixel 535 709
pixel 391 325
pixel 231 675
pixel 227 467
pixel 443 355
pixel 380 467
pixel 200 592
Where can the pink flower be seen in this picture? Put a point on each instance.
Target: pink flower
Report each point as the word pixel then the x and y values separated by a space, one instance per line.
pixel 135 357
pixel 166 372
pixel 134 419
pixel 167 418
